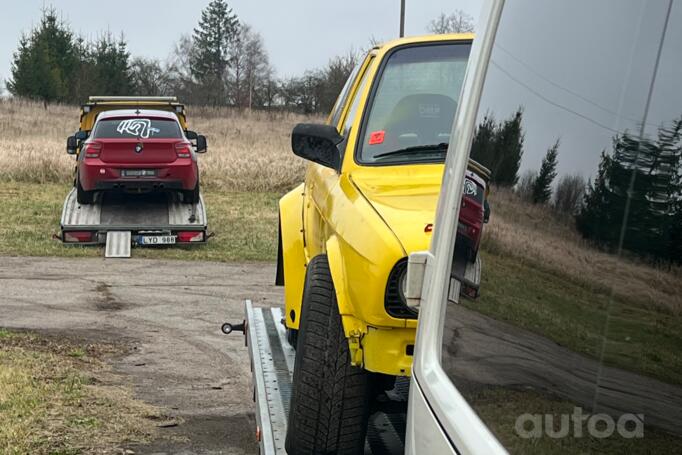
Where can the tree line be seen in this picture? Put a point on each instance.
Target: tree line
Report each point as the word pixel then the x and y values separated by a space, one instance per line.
pixel 222 63
pixel 634 203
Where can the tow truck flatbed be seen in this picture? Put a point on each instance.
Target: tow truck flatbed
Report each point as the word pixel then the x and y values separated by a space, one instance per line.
pixel 272 366
pixel 120 220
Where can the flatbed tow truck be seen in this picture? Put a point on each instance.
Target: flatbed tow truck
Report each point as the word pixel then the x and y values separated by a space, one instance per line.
pixel 120 220
pixel 272 366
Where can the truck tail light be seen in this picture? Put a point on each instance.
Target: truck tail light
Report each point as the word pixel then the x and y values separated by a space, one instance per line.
pixel 190 236
pixel 92 150
pixel 183 150
pixel 78 236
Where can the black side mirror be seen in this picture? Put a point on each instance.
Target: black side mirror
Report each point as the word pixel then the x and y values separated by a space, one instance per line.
pixel 82 135
pixel 202 146
pixel 71 145
pixel 191 135
pixel 317 143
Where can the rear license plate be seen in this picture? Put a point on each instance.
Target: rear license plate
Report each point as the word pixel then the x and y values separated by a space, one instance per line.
pixel 138 172
pixel 157 239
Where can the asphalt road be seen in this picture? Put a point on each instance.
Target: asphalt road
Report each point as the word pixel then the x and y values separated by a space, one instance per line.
pixel 170 312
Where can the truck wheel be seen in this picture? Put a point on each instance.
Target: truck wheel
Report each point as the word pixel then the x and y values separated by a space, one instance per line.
pixel 330 398
pixel 191 196
pixel 82 196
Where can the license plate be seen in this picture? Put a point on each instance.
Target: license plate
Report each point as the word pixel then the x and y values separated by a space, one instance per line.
pixel 138 172
pixel 157 240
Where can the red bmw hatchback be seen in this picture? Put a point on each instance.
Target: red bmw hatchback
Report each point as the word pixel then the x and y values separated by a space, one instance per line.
pixel 139 151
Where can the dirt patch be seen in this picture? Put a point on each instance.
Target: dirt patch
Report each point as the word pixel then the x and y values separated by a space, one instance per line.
pixel 57 395
pixel 205 433
pixel 105 300
pixel 168 346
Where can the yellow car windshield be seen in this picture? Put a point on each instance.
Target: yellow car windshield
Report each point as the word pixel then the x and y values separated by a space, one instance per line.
pixel 413 104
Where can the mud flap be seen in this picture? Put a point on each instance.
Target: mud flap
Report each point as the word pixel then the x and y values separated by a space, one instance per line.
pixel 467 273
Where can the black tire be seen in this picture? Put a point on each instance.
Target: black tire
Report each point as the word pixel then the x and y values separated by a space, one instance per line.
pixel 330 398
pixel 191 196
pixel 471 255
pixel 82 196
pixel 292 338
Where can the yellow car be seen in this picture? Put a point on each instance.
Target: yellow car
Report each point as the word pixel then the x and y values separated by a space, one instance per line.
pixel 368 201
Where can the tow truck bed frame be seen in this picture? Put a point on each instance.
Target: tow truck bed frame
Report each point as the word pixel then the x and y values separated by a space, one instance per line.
pixel 121 220
pixel 272 365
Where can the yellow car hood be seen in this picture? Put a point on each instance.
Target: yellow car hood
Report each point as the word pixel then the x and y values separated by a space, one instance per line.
pixel 405 197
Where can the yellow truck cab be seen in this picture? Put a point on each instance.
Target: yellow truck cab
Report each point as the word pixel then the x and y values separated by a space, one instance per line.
pixel 368 201
pixel 97 104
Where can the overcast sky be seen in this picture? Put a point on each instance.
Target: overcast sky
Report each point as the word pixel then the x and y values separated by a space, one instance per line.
pixel 299 34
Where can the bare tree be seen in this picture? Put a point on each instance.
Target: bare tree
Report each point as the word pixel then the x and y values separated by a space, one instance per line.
pixel 149 77
pixel 569 194
pixel 456 22
pixel 250 77
pixel 181 82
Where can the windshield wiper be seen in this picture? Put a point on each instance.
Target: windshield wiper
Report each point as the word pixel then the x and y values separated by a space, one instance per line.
pixel 442 147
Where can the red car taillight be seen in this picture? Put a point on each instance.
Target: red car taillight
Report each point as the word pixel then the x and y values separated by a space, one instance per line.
pixel 92 150
pixel 183 150
pixel 190 236
pixel 78 236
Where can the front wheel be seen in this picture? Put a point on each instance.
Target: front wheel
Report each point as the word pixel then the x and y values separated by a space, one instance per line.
pixel 330 397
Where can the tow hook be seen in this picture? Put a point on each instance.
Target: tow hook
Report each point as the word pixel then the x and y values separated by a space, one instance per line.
pixel 228 328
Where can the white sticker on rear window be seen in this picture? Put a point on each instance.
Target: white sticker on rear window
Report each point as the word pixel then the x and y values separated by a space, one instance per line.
pixel 140 127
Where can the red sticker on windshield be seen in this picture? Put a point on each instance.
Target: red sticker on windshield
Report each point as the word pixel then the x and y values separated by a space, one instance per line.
pixel 376 137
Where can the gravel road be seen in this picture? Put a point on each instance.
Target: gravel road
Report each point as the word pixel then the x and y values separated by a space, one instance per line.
pixel 170 313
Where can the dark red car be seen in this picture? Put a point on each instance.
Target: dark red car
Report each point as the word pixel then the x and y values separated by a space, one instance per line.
pixel 139 151
pixel 473 212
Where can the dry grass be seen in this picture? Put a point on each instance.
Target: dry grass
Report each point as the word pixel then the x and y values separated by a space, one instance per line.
pixel 59 397
pixel 248 151
pixel 536 234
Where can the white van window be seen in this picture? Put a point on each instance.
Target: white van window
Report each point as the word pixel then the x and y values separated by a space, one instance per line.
pixel 573 345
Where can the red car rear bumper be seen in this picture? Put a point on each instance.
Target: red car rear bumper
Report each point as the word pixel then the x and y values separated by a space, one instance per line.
pixel 94 174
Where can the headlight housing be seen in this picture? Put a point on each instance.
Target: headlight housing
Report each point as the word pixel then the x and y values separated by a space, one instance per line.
pixel 394 301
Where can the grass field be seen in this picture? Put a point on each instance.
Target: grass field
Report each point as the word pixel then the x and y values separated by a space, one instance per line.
pixel 56 394
pixel 244 224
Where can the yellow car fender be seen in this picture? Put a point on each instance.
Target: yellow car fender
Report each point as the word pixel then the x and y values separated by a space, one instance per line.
pixel 291 260
pixel 352 327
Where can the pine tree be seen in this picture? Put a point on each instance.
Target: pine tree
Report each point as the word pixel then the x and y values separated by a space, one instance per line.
pixel 542 186
pixel 213 41
pixel 110 61
pixel 46 62
pixel 642 175
pixel 499 147
pixel 509 148
pixel 483 145
pixel 593 220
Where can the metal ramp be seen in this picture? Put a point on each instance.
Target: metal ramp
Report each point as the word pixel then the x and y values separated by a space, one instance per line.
pixel 272 365
pixel 118 244
pixel 467 273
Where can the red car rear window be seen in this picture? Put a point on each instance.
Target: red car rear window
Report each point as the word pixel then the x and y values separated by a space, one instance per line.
pixel 143 128
pixel 473 191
